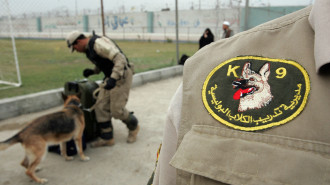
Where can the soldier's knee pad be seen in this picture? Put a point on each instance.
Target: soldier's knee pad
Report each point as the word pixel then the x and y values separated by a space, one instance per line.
pixel 131 121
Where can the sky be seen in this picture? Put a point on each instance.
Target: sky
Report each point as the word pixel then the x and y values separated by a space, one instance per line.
pixel 120 6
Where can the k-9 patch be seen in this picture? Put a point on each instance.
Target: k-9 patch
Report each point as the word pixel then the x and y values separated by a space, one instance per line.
pixel 253 93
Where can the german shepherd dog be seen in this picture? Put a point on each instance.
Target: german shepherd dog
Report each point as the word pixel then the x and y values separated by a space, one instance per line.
pixel 253 88
pixel 58 127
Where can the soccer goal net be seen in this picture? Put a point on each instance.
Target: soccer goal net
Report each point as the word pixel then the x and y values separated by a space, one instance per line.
pixel 9 67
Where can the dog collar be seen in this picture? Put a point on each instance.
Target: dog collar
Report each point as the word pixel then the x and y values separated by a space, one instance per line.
pixel 76 103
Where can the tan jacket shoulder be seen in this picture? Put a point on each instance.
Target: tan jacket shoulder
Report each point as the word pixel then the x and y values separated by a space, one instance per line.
pixel 106 48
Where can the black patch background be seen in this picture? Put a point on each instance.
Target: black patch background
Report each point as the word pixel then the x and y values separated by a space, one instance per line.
pixel 282 89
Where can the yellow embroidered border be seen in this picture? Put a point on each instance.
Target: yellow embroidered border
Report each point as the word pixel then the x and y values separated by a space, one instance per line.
pixel 300 109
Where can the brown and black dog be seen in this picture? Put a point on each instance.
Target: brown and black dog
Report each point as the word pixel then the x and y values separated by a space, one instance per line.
pixel 58 127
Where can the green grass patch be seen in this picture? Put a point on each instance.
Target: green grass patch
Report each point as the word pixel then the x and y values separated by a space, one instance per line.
pixel 48 64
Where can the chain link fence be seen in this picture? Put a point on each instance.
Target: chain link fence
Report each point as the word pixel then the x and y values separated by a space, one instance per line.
pixel 54 19
pixel 38 19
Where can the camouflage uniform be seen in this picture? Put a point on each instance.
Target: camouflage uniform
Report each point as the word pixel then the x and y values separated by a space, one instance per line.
pixel 109 59
pixel 112 96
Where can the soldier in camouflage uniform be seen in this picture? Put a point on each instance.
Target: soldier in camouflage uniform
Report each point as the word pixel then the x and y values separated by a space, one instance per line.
pixel 114 91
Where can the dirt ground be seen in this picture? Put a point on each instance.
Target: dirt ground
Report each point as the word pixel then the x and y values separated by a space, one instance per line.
pixel 121 164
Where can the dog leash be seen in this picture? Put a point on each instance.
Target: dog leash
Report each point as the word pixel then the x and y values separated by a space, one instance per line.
pixel 86 109
pixel 95 94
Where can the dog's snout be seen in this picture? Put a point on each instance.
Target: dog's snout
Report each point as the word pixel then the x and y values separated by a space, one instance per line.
pixel 239 83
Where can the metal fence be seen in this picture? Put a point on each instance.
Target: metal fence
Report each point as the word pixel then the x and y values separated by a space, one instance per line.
pixel 48 19
pixel 35 20
pixel 54 19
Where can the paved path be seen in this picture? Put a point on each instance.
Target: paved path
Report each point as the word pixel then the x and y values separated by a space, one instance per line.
pixel 121 164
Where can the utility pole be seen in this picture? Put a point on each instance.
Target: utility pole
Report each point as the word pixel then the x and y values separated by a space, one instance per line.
pixel 76 6
pixel 217 11
pixel 177 30
pixel 102 15
pixel 246 16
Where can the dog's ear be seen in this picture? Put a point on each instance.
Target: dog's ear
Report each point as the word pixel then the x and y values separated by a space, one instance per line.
pixel 265 70
pixel 78 95
pixel 246 70
pixel 64 97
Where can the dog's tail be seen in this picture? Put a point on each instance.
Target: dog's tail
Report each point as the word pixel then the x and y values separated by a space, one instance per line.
pixel 9 142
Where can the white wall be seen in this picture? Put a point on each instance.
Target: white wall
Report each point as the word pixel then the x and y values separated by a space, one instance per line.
pixel 192 24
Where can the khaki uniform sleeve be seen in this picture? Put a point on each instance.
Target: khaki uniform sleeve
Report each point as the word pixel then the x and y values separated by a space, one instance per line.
pixel 165 174
pixel 107 49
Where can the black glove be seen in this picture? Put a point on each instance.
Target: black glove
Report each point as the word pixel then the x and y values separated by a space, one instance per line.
pixel 111 83
pixel 88 72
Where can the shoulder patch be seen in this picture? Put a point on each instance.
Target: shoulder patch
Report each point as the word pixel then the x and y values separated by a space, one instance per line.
pixel 253 93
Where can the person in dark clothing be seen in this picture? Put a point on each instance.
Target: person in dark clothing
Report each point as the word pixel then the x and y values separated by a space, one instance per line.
pixel 206 38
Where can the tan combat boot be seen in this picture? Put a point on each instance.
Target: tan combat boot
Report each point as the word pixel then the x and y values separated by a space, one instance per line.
pixel 132 123
pixel 132 134
pixel 102 142
pixel 106 135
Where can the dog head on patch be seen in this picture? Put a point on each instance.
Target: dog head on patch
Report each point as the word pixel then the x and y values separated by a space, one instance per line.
pixel 72 99
pixel 253 90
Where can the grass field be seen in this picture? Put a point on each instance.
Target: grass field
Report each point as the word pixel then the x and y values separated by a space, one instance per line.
pixel 48 64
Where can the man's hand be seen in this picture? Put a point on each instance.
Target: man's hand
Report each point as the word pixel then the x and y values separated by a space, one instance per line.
pixel 88 72
pixel 111 83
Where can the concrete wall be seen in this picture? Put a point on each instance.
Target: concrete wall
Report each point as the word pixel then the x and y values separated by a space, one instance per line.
pixel 194 22
pixel 130 22
pixel 142 25
pixel 146 25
